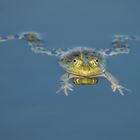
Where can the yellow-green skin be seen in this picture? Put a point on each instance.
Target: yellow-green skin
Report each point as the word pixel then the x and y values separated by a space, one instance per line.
pixel 85 81
pixel 84 64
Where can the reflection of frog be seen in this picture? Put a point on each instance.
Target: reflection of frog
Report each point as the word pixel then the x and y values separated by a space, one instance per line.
pixel 84 66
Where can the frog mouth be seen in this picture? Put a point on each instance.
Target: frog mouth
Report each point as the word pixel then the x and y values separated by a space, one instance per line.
pixel 83 71
pixel 86 72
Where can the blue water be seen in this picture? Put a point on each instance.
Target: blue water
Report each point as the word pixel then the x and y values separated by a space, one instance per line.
pixel 30 109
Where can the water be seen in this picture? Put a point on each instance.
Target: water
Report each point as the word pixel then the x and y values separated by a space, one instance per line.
pixel 30 109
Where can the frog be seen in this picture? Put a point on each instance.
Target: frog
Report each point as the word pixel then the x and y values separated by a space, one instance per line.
pixel 82 65
pixel 85 66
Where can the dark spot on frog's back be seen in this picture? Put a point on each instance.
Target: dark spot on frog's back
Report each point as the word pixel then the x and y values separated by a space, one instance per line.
pixel 73 55
pixel 77 53
pixel 70 56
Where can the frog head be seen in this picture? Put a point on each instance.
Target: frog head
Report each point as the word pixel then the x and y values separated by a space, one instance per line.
pixel 82 62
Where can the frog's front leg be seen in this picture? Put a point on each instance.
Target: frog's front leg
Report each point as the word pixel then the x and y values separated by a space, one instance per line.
pixel 115 85
pixel 65 85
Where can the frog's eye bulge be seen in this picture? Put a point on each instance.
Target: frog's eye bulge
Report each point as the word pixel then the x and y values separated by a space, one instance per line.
pixel 74 60
pixel 93 62
pixel 97 60
pixel 77 62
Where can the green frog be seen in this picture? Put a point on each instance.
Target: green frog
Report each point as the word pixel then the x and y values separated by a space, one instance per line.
pixel 82 65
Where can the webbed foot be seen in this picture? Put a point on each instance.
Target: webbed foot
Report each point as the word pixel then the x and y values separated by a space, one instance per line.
pixel 119 88
pixel 66 87
pixel 114 83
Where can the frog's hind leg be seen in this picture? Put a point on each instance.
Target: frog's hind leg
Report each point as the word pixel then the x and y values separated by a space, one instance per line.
pixel 37 45
pixel 10 37
pixel 35 42
pixel 120 45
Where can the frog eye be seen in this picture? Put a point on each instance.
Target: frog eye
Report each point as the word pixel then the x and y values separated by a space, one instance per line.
pixel 77 62
pixel 96 60
pixel 74 60
pixel 93 62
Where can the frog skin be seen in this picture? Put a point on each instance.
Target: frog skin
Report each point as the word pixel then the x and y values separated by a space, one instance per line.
pixel 83 65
